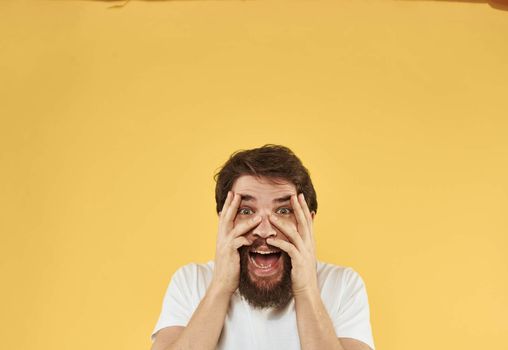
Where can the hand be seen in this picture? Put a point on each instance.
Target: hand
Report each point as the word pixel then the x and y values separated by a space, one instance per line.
pixel 301 246
pixel 226 274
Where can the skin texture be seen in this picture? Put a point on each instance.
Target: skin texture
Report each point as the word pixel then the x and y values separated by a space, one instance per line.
pixel 242 223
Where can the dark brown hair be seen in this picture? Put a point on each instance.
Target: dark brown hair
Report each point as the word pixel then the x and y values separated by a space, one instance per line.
pixel 275 162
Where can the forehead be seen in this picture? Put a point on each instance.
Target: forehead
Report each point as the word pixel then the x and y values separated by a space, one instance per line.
pixel 262 186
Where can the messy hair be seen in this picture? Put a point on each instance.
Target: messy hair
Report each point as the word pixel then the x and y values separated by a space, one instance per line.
pixel 275 162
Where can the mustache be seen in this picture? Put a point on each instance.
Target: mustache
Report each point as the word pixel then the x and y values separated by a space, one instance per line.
pixel 260 242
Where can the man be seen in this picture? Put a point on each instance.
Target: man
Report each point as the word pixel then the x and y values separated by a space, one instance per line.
pixel 265 289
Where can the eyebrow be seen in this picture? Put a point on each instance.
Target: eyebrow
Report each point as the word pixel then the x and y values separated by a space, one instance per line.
pixel 248 197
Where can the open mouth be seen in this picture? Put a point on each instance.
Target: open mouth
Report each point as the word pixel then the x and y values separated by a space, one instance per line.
pixel 265 260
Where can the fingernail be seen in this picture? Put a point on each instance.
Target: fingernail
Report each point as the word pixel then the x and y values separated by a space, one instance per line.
pixel 273 217
pixel 256 219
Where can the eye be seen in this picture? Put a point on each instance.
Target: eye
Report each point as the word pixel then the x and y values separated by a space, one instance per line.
pixel 245 211
pixel 285 211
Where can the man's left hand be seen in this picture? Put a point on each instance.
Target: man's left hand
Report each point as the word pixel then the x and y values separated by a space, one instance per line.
pixel 301 246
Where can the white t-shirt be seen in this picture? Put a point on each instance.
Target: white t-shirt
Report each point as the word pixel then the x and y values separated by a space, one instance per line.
pixel 342 291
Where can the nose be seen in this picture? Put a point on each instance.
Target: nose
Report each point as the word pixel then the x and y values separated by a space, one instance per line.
pixel 265 228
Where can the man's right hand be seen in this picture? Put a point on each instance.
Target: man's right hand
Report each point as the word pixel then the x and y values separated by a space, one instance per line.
pixel 226 274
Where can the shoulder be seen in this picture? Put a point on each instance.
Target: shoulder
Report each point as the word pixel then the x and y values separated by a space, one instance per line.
pixel 338 278
pixel 193 277
pixel 330 271
pixel 345 297
pixel 194 270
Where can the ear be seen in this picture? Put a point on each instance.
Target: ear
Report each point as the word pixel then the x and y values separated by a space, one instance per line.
pixel 312 214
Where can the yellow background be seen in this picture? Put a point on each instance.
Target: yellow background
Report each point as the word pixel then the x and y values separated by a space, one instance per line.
pixel 113 122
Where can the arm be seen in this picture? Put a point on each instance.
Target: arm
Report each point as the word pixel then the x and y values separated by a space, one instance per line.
pixel 315 328
pixel 211 312
pixel 314 325
pixel 205 325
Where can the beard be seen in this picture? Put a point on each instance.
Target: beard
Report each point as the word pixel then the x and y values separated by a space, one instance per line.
pixel 264 292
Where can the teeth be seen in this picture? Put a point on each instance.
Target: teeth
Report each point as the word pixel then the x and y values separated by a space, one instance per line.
pixel 261 252
pixel 260 266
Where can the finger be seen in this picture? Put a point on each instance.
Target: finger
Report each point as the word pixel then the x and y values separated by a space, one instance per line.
pixel 300 218
pixel 232 209
pixel 288 230
pixel 240 242
pixel 285 246
pixel 308 215
pixel 305 207
pixel 226 205
pixel 245 226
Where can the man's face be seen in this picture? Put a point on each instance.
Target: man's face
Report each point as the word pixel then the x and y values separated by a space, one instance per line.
pixel 265 279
